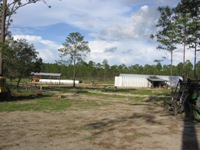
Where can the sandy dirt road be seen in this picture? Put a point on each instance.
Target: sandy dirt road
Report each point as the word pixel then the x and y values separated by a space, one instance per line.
pixel 122 125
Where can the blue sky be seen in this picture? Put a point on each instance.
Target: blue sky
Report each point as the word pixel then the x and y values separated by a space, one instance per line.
pixel 117 30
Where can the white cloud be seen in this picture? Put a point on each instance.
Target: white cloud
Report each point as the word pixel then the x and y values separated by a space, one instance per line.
pixel 28 38
pixel 125 52
pixel 78 12
pixel 138 25
pixel 144 8
pixel 118 30
pixel 98 50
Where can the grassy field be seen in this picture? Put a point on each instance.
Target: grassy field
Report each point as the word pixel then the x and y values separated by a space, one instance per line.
pixel 49 99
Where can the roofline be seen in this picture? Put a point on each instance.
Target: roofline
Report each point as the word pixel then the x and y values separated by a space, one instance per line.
pixel 149 75
pixel 46 74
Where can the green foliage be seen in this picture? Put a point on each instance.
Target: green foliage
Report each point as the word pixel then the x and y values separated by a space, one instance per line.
pixel 179 25
pixel 26 101
pixel 137 91
pixel 38 104
pixel 167 35
pixel 20 59
pixel 76 48
pixel 92 72
pixel 188 19
pixel 48 103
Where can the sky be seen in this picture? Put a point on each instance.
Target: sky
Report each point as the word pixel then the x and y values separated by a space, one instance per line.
pixel 117 30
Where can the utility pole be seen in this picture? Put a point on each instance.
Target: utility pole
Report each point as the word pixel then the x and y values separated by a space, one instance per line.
pixel 3 22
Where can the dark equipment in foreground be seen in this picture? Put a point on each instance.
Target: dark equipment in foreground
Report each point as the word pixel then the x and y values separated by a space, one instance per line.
pixel 5 93
pixel 185 98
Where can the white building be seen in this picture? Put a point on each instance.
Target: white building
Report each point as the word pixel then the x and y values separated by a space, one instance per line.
pixel 144 81
pixel 51 78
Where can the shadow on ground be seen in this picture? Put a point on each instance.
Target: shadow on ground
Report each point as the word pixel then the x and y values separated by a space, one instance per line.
pixel 24 97
pixel 106 125
pixel 189 135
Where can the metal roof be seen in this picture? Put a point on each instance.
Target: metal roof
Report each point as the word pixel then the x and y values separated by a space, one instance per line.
pixel 167 78
pixel 46 74
pixel 155 80
pixel 134 75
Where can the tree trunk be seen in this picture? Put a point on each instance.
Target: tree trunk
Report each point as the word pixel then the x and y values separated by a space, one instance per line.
pixel 195 58
pixel 184 73
pixel 171 68
pixel 74 75
pixel 3 20
pixel 19 79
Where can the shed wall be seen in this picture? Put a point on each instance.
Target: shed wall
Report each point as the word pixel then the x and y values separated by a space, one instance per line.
pixel 118 81
pixel 131 81
pixel 137 80
pixel 55 81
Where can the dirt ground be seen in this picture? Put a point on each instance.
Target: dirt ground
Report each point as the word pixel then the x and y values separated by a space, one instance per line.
pixel 123 125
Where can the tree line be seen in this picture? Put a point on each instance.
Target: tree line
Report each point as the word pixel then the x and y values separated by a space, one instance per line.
pixel 103 72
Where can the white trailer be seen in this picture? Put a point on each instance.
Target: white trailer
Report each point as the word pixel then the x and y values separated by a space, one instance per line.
pixel 143 81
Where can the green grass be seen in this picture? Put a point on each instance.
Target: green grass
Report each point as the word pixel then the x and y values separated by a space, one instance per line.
pixel 49 103
pixel 39 104
pixel 134 98
pixel 137 91
pixel 162 99
pixel 42 101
